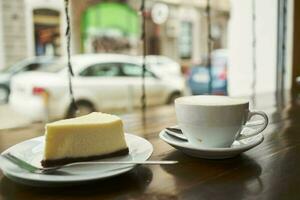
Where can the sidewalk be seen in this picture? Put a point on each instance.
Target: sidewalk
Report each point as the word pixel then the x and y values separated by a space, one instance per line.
pixel 10 119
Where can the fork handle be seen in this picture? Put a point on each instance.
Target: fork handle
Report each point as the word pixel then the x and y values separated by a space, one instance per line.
pixel 148 162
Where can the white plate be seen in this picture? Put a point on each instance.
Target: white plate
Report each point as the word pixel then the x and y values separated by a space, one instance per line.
pixel 213 153
pixel 31 151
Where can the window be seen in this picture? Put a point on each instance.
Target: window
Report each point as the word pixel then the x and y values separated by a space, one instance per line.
pixel 32 66
pixel 112 30
pixel 52 66
pixel 105 70
pixel 133 70
pixel 185 40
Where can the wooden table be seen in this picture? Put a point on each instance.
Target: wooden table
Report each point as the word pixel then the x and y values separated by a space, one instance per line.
pixel 269 171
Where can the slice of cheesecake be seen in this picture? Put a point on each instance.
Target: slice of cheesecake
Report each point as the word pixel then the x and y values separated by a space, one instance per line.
pixel 90 137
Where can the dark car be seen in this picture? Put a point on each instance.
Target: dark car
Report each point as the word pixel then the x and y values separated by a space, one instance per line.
pixel 30 64
pixel 198 79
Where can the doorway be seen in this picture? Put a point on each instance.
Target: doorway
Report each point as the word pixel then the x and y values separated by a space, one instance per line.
pixel 47 32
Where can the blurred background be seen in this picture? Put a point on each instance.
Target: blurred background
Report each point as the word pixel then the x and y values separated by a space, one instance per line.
pixel 253 51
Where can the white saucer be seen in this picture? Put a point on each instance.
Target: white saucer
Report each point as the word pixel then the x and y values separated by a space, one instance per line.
pixel 237 147
pixel 31 151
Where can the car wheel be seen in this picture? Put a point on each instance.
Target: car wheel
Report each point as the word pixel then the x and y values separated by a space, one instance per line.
pixel 4 93
pixel 172 97
pixel 83 108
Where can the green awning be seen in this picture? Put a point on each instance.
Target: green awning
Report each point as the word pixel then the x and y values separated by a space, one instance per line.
pixel 111 16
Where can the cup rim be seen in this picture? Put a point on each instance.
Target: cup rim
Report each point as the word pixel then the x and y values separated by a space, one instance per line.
pixel 241 101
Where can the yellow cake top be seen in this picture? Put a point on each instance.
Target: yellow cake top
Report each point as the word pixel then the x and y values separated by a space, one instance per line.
pixel 92 118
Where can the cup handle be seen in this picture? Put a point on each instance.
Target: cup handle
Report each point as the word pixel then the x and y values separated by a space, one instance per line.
pixel 257 131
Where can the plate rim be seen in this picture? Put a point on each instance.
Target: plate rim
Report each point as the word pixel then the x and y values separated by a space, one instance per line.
pixel 80 178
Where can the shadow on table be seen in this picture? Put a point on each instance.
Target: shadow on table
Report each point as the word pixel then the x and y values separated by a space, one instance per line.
pixel 202 178
pixel 135 181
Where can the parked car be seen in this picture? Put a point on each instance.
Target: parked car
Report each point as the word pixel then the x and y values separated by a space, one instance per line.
pixel 101 81
pixel 198 79
pixel 29 64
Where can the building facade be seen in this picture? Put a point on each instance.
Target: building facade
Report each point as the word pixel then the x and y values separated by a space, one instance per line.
pixel 30 28
pixel 175 28
pixel 13 44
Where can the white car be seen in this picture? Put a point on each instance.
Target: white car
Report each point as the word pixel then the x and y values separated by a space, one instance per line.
pixel 101 82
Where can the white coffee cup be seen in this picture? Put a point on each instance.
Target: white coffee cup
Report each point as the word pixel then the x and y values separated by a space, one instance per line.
pixel 215 121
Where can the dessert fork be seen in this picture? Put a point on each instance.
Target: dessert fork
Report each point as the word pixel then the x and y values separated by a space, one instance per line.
pixel 54 170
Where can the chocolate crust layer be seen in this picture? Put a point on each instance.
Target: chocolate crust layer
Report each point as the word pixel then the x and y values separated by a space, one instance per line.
pixel 63 161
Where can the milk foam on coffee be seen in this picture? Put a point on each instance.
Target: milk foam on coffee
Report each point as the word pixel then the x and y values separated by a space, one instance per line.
pixel 207 100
